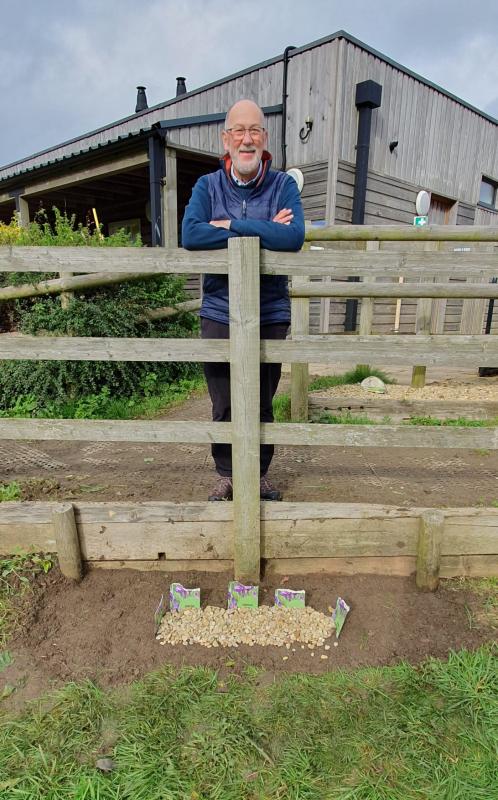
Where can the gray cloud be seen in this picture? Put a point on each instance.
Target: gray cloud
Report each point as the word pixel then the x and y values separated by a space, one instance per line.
pixel 66 68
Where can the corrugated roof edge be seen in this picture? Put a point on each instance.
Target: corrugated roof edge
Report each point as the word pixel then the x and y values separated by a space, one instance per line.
pixel 317 43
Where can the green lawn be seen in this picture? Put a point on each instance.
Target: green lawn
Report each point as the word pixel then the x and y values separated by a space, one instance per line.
pixel 399 733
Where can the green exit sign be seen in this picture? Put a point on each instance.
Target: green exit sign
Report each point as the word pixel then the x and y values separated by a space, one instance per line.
pixel 419 222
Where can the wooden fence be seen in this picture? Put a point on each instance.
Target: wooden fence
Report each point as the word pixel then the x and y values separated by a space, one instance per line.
pixel 288 536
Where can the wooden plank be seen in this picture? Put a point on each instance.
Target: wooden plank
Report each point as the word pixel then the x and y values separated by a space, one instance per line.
pixel 90 173
pixel 338 537
pixel 67 542
pixel 403 290
pixel 404 350
pixel 27 536
pixel 271 433
pixel 300 324
pixel 354 565
pixel 469 566
pixel 169 566
pixel 430 535
pixel 149 260
pixel 88 348
pixel 164 512
pixel 95 430
pixel 379 436
pixel 145 541
pixel 328 262
pixel 400 350
pixel 243 286
pixel 169 199
pixel 397 410
pixel 400 233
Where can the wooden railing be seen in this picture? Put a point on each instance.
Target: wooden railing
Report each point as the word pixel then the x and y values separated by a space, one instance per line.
pixel 244 262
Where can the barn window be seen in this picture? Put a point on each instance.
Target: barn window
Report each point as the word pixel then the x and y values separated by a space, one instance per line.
pixel 488 193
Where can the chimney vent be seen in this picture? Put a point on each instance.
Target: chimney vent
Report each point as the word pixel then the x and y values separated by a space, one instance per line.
pixel 141 100
pixel 180 87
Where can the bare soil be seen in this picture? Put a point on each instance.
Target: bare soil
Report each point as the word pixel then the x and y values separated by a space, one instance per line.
pixel 103 628
pixel 185 472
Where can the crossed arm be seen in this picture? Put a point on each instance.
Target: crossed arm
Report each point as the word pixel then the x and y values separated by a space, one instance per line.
pixel 284 232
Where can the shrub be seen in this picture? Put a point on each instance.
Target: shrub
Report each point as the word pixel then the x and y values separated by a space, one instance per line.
pixel 105 311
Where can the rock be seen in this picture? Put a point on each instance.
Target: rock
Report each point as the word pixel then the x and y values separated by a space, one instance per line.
pixel 105 764
pixel 374 384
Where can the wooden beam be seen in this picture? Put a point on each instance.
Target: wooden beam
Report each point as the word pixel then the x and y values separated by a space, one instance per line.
pixel 379 436
pixel 328 262
pixel 429 549
pixel 300 325
pixel 403 290
pixel 96 430
pixel 112 259
pixel 378 407
pixel 451 351
pixel 80 176
pixel 243 286
pixel 88 348
pixel 169 199
pixel 402 233
pixel 67 542
pixel 386 350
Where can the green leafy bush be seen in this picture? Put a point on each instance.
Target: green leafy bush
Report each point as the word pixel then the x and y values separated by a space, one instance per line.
pixel 110 311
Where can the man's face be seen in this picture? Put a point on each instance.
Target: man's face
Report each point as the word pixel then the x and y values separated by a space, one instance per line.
pixel 245 149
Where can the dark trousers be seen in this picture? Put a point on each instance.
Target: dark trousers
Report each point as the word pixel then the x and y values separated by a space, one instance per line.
pixel 218 381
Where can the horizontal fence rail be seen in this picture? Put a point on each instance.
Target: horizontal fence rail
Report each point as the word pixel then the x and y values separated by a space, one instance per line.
pixel 269 433
pixel 315 263
pixel 402 290
pixel 402 350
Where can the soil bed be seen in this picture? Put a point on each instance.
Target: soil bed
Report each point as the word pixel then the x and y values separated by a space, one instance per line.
pixel 103 628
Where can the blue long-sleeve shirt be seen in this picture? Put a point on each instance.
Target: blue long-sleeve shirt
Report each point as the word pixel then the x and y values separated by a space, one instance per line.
pixel 243 205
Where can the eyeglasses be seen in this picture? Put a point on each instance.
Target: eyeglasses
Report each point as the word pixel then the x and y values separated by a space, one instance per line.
pixel 238 132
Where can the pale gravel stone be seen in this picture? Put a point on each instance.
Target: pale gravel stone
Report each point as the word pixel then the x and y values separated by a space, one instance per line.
pixel 266 625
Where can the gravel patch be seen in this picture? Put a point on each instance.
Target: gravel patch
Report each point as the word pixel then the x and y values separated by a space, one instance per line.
pixel 266 625
pixel 443 390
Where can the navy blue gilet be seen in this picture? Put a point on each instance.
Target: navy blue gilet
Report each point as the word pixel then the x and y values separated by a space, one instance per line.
pixel 229 201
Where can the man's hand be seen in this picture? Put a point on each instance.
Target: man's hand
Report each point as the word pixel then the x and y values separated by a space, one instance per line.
pixel 284 216
pixel 221 223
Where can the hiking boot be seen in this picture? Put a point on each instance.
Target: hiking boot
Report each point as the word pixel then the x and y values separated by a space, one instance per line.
pixel 267 491
pixel 223 489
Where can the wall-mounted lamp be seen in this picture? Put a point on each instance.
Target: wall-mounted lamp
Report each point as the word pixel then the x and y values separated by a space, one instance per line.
pixel 393 146
pixel 304 133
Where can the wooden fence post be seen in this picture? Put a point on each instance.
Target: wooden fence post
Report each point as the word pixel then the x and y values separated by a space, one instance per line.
pixel 67 542
pixel 367 308
pixel 243 282
pixel 300 324
pixel 429 549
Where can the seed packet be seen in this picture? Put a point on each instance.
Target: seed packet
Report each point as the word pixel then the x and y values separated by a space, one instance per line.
pixel 288 598
pixel 240 596
pixel 159 613
pixel 181 598
pixel 339 615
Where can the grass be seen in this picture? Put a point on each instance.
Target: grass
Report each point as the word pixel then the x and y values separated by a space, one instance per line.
pixel 282 402
pixel 9 491
pixel 105 406
pixel 396 733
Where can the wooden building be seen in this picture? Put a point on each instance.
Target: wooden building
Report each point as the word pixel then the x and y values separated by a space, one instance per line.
pixel 143 167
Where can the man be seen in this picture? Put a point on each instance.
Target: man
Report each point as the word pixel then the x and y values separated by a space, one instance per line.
pixel 244 198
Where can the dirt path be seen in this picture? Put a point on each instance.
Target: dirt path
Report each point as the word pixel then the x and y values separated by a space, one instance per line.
pixel 184 472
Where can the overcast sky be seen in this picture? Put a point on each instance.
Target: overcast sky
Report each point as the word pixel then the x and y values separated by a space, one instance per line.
pixel 69 66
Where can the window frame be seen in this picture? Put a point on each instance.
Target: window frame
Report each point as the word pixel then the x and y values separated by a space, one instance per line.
pixel 490 206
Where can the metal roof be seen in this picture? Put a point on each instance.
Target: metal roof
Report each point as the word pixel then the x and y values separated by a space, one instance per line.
pixel 152 114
